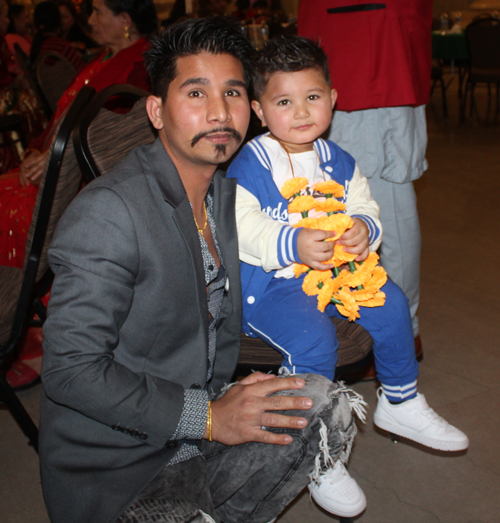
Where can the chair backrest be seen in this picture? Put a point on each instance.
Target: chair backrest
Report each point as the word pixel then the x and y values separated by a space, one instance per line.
pixel 59 186
pixel 29 75
pixel 483 39
pixel 54 74
pixel 102 138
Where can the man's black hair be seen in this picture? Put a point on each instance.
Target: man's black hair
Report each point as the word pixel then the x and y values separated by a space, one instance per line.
pixel 215 35
pixel 288 54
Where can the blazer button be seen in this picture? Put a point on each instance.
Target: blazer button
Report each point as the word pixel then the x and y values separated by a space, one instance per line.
pixel 171 444
pixel 195 386
pixel 115 427
pixel 143 436
pixel 250 300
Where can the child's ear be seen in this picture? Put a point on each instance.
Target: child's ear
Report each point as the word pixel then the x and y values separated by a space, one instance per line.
pixel 258 111
pixel 334 97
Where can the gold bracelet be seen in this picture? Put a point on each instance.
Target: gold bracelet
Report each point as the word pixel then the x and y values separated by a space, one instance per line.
pixel 209 421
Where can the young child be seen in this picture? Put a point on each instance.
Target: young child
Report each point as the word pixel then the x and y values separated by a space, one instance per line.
pixel 294 99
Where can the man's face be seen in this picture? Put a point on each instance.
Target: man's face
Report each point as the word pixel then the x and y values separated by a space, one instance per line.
pixel 206 113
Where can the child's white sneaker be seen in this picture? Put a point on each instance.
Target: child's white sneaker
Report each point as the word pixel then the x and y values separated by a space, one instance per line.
pixel 338 493
pixel 415 420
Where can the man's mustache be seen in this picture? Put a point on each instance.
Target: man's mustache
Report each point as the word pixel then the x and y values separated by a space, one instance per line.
pixel 233 132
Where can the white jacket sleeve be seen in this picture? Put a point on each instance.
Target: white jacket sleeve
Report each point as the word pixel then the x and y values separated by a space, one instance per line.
pixel 360 204
pixel 259 235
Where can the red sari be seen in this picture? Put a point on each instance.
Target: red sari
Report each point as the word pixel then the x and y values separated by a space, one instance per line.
pixel 17 202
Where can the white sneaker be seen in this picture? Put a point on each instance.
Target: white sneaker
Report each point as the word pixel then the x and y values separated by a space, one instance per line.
pixel 338 493
pixel 415 420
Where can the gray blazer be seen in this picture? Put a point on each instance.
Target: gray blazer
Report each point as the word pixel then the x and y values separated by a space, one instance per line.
pixel 127 332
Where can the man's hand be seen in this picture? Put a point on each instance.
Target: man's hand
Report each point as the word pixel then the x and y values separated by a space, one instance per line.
pixel 239 415
pixel 356 239
pixel 313 249
pixel 31 168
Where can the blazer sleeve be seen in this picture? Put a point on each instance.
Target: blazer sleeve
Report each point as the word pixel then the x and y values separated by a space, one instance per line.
pixel 95 259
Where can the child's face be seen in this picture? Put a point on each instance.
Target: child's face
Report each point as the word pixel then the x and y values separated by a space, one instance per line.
pixel 297 107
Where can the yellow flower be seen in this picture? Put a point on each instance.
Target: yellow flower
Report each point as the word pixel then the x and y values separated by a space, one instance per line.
pixel 330 187
pixel 302 204
pixel 299 268
pixel 308 223
pixel 293 186
pixel 312 279
pixel 325 294
pixel 336 222
pixel 330 205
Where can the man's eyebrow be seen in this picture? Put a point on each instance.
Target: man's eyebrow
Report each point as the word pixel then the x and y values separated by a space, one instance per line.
pixel 204 81
pixel 236 83
pixel 195 81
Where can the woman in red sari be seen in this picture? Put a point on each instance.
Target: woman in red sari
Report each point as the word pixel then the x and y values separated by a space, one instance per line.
pixel 123 27
pixel 124 33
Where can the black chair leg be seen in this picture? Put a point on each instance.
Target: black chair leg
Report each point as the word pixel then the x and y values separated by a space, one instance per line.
pixel 8 396
pixel 346 520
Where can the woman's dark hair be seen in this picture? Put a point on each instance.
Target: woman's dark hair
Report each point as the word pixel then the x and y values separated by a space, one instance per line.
pixel 288 54
pixel 142 13
pixel 47 19
pixel 216 35
pixel 14 11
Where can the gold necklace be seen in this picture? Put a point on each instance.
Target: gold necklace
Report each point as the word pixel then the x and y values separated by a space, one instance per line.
pixel 200 229
pixel 287 150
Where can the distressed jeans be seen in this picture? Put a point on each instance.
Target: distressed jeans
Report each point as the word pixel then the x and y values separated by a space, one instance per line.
pixel 252 482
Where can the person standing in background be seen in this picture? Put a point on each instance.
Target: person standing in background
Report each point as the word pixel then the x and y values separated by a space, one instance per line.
pixel 380 61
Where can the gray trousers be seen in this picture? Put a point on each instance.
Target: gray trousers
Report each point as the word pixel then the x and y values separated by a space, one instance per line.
pixel 253 482
pixel 389 146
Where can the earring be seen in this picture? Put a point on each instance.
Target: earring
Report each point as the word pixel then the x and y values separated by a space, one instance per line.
pixel 263 123
pixel 127 32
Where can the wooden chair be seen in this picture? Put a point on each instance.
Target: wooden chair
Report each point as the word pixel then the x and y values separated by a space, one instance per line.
pixel 18 288
pixel 102 138
pixel 54 74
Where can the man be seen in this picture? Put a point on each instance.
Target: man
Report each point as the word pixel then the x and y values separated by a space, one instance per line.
pixel 144 325
pixel 380 60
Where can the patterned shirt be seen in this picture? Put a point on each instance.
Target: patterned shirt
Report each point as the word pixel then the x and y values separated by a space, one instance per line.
pixel 193 419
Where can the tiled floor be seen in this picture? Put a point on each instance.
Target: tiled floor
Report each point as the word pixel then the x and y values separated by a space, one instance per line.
pixel 458 197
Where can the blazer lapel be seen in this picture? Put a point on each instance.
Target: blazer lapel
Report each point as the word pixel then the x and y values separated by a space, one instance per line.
pixel 170 184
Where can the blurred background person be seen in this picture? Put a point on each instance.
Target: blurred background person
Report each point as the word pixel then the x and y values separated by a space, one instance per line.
pixel 47 39
pixel 123 27
pixel 18 32
pixel 71 28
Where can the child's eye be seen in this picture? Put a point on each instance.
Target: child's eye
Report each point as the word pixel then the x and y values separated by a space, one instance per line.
pixel 313 97
pixel 284 102
pixel 232 92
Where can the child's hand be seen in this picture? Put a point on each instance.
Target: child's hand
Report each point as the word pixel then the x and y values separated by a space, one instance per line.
pixel 356 239
pixel 313 249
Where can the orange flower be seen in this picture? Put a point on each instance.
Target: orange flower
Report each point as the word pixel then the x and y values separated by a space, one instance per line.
pixel 312 279
pixel 308 223
pixel 336 222
pixel 377 301
pixel 378 278
pixel 325 294
pixel 330 205
pixel 293 186
pixel 299 269
pixel 302 204
pixel 330 187
pixel 349 307
pixel 340 256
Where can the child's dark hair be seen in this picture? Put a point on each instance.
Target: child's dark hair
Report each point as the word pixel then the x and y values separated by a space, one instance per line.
pixel 288 54
pixel 215 35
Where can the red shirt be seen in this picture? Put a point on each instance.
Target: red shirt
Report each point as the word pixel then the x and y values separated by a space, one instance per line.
pixel 379 53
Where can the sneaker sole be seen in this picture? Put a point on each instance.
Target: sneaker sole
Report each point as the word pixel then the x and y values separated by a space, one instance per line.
pixel 450 446
pixel 341 513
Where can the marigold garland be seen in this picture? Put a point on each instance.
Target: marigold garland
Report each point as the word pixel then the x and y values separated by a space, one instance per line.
pixel 293 186
pixel 348 289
